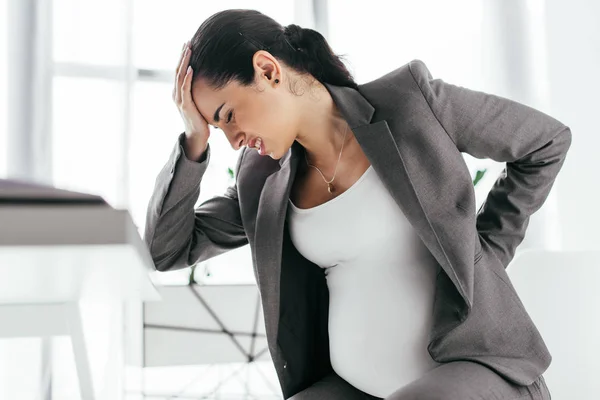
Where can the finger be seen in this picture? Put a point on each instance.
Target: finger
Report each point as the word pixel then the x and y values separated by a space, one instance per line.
pixel 178 80
pixel 180 57
pixel 178 69
pixel 175 91
pixel 186 89
pixel 184 63
pixel 182 72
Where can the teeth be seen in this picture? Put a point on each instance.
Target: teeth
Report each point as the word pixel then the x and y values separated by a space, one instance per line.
pixel 257 143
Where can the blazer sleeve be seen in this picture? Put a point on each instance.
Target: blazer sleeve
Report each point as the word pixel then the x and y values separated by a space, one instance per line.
pixel 179 235
pixel 533 145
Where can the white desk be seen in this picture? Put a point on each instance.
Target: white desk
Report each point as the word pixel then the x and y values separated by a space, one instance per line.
pixel 54 255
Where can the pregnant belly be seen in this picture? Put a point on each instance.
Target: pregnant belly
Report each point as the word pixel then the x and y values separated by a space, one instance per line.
pixel 379 331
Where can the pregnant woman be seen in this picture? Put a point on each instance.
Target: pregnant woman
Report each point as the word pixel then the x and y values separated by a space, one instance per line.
pixel 378 277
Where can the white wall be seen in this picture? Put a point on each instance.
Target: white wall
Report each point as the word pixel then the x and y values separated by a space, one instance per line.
pixel 573 65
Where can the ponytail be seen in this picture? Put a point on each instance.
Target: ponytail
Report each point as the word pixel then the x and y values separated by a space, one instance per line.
pixel 314 55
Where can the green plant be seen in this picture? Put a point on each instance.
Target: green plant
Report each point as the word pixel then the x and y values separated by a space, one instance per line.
pixel 478 175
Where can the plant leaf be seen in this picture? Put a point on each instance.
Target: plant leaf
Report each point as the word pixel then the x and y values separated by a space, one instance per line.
pixel 478 175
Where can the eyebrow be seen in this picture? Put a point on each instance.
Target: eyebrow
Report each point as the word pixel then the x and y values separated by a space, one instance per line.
pixel 216 116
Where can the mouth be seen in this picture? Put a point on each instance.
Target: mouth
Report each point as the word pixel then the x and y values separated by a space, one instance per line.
pixel 258 144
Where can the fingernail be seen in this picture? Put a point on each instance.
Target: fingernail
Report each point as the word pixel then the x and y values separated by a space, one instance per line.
pixel 189 69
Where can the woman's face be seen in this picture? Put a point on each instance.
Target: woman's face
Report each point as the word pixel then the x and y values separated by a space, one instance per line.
pixel 263 110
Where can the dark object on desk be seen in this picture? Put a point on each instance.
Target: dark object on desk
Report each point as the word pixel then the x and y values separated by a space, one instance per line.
pixel 22 192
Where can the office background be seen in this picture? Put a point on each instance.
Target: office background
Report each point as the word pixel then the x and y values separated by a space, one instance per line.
pixel 85 104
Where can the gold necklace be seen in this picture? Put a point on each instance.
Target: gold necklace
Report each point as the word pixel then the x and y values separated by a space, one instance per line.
pixel 330 187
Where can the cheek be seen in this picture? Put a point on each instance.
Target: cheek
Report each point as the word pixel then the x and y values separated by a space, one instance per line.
pixel 280 119
pixel 264 118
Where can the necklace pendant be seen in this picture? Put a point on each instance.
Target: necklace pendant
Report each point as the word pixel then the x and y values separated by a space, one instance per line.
pixel 330 188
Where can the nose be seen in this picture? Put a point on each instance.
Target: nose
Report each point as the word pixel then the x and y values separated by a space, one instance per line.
pixel 237 140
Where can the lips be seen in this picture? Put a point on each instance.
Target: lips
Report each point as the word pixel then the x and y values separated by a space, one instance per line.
pixel 252 144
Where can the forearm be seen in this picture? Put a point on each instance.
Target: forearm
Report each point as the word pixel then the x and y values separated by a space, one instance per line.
pixel 195 148
pixel 178 234
pixel 504 216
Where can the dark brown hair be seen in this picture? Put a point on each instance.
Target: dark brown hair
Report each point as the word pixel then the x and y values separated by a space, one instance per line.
pixel 223 46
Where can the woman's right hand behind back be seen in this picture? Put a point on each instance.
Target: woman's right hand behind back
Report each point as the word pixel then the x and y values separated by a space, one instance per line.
pixel 196 127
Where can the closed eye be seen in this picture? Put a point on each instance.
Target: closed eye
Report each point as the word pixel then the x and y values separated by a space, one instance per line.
pixel 229 116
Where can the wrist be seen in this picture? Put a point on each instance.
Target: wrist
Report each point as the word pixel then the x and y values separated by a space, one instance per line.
pixel 195 148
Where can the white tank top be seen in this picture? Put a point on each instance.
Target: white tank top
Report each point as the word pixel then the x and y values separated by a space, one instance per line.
pixel 381 281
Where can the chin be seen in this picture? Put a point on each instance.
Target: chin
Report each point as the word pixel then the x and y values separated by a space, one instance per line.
pixel 273 154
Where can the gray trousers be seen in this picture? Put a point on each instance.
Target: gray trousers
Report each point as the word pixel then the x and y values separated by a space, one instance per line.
pixel 457 380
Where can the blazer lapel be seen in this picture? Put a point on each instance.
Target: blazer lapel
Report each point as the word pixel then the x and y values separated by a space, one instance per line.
pixel 270 220
pixel 381 149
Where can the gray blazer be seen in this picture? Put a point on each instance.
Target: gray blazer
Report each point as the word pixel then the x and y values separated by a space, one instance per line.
pixel 413 129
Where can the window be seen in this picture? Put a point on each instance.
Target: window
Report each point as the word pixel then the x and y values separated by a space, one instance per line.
pixel 87 135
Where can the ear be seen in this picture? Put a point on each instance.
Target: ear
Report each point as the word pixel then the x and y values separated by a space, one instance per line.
pixel 266 67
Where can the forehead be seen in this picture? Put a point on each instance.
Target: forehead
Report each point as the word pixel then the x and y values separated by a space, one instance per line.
pixel 208 99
